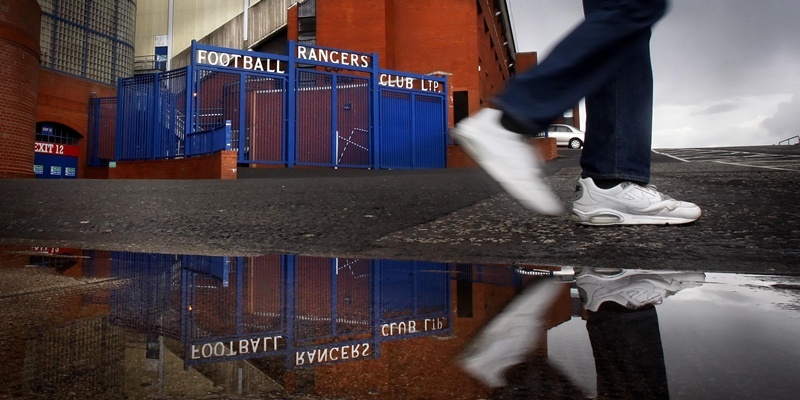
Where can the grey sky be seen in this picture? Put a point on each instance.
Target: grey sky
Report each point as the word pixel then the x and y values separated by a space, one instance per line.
pixel 727 72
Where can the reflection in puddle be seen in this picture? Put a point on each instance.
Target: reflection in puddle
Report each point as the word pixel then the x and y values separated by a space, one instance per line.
pixel 132 325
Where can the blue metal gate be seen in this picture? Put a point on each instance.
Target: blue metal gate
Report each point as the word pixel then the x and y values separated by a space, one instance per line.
pixel 314 107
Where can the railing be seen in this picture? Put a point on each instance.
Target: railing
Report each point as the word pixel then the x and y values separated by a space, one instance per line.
pixel 151 63
pixel 789 140
pixel 209 141
pixel 101 138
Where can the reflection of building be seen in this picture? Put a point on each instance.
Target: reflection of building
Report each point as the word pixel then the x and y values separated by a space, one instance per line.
pixel 335 327
pixel 85 357
pixel 293 316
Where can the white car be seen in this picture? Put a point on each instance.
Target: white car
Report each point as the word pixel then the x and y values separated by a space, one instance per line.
pixel 566 135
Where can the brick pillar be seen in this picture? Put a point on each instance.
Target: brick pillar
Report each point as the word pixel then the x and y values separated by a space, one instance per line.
pixel 19 85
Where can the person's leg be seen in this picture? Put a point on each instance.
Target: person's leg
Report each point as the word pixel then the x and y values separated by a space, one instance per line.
pixel 619 121
pixel 583 62
pixel 628 354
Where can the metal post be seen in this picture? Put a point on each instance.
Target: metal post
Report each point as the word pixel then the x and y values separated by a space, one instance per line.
pixel 291 107
pixel 169 33
pixel 244 25
pixel 375 130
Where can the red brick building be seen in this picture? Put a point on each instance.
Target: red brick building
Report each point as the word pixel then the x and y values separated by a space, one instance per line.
pixel 470 41
pixel 60 54
pixel 57 55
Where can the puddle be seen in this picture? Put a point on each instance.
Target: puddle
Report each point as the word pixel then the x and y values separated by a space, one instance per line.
pixel 103 325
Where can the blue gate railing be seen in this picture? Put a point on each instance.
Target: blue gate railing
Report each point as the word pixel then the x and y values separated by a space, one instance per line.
pixel 315 107
pixel 209 141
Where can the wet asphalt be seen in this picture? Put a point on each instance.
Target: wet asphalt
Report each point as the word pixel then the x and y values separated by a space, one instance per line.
pixel 750 222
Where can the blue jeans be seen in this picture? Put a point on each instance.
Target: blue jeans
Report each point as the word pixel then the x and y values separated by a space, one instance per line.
pixel 606 59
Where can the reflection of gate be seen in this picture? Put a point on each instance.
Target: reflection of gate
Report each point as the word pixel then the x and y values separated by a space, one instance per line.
pixel 314 107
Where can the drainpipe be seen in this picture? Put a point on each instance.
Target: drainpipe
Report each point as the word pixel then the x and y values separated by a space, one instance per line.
pixel 244 27
pixel 169 34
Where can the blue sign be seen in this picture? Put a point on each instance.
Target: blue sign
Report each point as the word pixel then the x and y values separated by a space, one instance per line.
pixel 47 130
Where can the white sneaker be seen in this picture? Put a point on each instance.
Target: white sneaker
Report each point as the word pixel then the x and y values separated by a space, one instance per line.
pixel 629 204
pixel 507 158
pixel 632 289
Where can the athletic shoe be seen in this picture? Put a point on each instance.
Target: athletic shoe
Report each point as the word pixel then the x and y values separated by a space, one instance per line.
pixel 511 335
pixel 632 289
pixel 629 204
pixel 508 158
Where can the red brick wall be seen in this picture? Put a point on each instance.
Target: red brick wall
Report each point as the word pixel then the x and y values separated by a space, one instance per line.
pixel 19 51
pixel 221 165
pixel 494 56
pixel 354 25
pixel 64 99
pixel 291 25
pixel 416 36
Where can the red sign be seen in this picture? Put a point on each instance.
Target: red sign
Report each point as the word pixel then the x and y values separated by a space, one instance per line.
pixel 57 149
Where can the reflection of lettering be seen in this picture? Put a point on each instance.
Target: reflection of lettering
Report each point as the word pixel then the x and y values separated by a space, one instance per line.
pixel 235 347
pixel 409 327
pixel 347 352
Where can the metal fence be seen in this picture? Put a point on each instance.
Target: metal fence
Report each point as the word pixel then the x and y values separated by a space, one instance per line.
pixel 315 107
pixel 101 139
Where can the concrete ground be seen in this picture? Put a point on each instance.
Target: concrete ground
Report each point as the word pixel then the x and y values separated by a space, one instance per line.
pixel 750 223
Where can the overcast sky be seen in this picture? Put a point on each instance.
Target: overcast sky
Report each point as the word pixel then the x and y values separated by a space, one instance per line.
pixel 727 72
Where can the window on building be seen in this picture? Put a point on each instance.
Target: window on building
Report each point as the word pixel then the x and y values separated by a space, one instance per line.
pixel 307 22
pixel 49 132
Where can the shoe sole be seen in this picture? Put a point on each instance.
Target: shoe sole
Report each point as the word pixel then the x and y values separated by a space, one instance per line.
pixel 606 217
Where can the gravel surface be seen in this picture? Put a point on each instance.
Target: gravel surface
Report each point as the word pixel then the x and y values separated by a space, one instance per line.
pixel 750 222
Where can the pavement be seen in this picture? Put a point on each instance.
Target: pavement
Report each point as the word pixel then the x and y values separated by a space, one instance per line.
pixel 750 222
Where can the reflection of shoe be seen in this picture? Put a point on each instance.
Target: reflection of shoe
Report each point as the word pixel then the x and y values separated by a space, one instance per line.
pixel 508 159
pixel 629 204
pixel 511 335
pixel 631 288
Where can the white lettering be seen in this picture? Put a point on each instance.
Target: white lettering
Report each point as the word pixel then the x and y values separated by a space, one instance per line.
pixel 195 352
pixel 236 58
pixel 301 52
pixel 257 66
pixel 213 57
pixel 201 56
pixel 247 62
pixel 331 354
pixel 232 348
pixel 219 349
